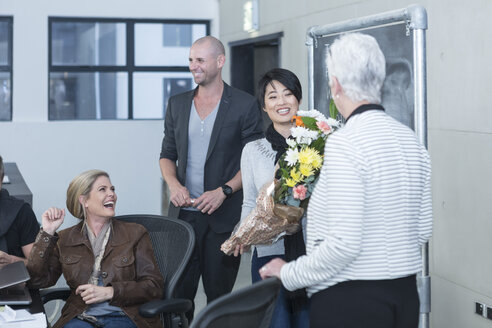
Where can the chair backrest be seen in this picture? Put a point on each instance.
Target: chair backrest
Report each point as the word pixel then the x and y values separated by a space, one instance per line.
pixel 251 306
pixel 173 242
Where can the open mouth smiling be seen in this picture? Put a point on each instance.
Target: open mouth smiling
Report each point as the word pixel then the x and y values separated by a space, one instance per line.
pixel 283 111
pixel 109 204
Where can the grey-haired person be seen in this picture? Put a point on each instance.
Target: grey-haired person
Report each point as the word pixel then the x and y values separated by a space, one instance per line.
pixel 371 210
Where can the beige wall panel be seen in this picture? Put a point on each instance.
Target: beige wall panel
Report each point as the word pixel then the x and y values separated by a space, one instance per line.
pixel 454 306
pixel 459 69
pixel 462 239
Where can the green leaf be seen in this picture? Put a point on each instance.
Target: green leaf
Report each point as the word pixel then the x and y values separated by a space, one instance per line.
pixel 293 202
pixel 333 109
pixel 281 193
pixel 319 145
pixel 310 179
pixel 310 123
pixel 308 193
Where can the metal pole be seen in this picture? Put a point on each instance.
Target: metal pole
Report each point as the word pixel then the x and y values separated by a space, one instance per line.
pixel 361 22
pixel 420 88
pixel 420 96
pixel 310 41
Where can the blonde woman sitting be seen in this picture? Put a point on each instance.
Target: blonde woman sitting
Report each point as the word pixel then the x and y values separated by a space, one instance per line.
pixel 108 264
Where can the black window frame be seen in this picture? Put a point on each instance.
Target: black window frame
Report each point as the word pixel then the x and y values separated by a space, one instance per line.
pixel 9 67
pixel 129 68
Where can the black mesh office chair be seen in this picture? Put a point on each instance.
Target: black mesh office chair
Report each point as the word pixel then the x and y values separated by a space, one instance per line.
pixel 173 242
pixel 248 307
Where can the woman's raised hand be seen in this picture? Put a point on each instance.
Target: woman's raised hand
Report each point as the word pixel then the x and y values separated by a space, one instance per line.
pixel 52 219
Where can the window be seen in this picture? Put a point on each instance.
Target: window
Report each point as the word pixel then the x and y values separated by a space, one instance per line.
pixel 118 68
pixel 5 68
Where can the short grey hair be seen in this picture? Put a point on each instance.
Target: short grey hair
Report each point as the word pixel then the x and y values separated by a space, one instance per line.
pixel 358 63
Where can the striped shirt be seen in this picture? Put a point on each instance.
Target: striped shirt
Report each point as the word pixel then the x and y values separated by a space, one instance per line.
pixel 371 209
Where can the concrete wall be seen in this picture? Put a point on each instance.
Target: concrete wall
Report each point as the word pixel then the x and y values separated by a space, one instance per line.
pixel 50 154
pixel 459 130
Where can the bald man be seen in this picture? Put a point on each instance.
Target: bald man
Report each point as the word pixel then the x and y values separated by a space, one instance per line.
pixel 205 131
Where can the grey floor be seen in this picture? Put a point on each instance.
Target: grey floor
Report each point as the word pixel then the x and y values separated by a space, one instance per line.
pixel 243 280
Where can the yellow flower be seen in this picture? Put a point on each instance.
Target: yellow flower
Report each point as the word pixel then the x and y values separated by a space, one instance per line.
pixel 309 155
pixel 317 162
pixel 306 169
pixel 290 182
pixel 295 175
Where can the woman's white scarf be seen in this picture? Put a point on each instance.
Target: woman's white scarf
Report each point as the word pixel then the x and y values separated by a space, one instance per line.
pixel 98 247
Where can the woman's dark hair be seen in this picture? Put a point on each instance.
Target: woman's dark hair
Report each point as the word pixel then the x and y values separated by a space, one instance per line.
pixel 284 76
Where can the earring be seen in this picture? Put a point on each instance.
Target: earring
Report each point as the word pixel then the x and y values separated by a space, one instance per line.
pixel 337 96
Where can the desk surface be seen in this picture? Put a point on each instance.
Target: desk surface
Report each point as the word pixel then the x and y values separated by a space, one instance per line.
pixel 35 307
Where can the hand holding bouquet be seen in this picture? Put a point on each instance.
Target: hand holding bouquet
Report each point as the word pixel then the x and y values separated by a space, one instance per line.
pixel 265 224
pixel 280 204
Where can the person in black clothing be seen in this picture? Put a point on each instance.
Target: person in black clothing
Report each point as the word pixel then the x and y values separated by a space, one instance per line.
pixel 279 94
pixel 18 226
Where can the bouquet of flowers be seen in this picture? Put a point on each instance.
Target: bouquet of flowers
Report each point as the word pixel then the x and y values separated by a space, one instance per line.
pixel 280 204
pixel 299 167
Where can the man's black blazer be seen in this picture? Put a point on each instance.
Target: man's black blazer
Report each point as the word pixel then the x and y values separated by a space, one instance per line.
pixel 238 122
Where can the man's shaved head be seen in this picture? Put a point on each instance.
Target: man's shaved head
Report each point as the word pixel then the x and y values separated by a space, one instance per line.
pixel 214 43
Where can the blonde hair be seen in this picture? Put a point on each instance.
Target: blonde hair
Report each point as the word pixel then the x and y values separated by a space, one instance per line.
pixel 81 185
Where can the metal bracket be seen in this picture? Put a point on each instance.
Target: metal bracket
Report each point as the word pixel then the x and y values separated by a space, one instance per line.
pixel 407 28
pixel 418 17
pixel 423 287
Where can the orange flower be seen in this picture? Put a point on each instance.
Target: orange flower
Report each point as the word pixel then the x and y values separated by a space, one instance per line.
pixel 298 120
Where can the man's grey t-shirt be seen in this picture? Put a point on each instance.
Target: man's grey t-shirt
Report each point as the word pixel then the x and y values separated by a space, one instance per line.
pixel 199 133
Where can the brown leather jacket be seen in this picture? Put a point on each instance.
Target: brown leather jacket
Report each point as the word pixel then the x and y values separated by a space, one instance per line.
pixel 128 266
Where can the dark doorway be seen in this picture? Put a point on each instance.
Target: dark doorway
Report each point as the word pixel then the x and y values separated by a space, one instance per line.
pixel 250 59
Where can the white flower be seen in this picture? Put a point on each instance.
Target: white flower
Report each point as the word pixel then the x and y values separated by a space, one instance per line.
pixel 291 142
pixel 332 122
pixel 312 113
pixel 303 135
pixel 291 156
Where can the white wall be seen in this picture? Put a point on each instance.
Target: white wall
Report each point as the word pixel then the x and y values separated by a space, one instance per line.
pixel 459 130
pixel 50 154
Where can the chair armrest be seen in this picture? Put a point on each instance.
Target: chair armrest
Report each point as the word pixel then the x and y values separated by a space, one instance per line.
pixel 51 294
pixel 154 308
